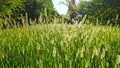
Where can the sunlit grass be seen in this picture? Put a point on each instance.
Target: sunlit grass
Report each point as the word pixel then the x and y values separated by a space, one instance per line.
pixel 60 46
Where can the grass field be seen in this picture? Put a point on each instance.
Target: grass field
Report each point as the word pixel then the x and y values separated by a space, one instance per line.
pixel 60 46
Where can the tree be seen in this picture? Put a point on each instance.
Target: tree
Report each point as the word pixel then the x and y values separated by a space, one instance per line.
pixel 35 8
pixel 103 10
pixel 32 8
pixel 6 6
pixel 72 10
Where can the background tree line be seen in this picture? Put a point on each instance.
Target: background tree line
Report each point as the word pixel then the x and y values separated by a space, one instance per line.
pixel 14 9
pixel 98 11
pixel 104 11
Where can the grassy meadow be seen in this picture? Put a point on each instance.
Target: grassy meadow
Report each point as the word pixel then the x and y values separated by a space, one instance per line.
pixel 60 46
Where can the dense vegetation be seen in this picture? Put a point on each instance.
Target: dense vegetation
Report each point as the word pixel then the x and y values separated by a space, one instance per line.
pixel 60 46
pixel 12 12
pixel 105 11
pixel 34 35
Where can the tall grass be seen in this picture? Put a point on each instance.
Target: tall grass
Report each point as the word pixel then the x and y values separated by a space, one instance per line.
pixel 25 21
pixel 60 46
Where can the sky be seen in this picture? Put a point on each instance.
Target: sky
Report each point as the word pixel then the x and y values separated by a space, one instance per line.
pixel 61 9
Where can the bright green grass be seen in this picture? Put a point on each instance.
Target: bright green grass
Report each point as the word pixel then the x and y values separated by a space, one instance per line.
pixel 60 46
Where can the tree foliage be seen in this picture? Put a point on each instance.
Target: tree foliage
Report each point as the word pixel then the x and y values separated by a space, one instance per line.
pixel 13 9
pixel 35 7
pixel 7 6
pixel 73 10
pixel 103 10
